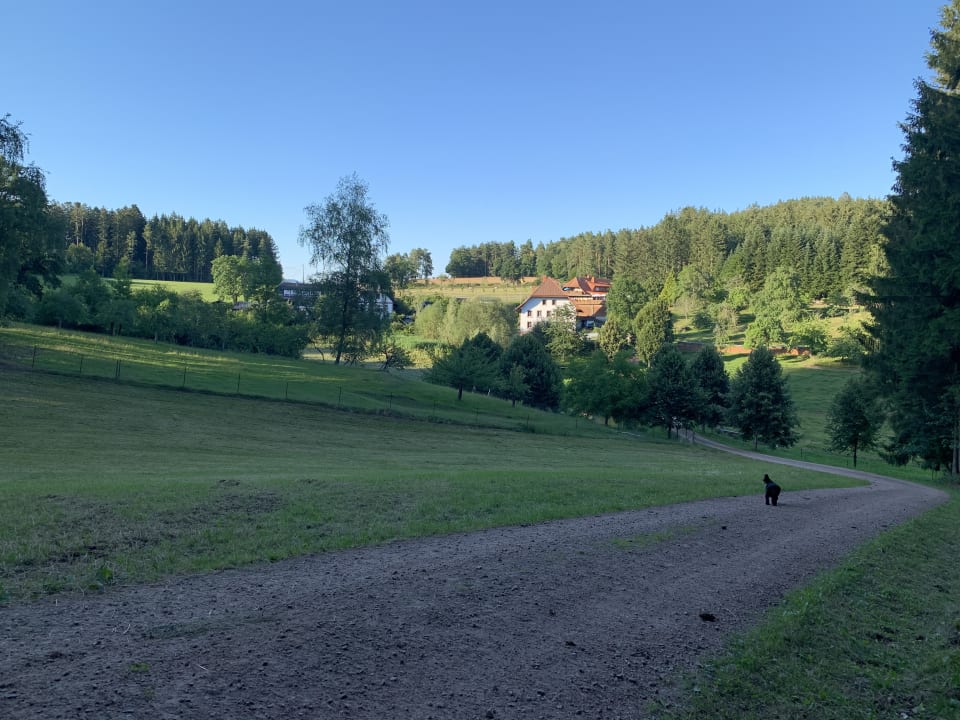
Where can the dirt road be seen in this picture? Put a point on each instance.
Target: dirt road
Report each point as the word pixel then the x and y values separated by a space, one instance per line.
pixel 590 617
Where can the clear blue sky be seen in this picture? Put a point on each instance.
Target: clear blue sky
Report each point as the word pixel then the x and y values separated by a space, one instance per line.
pixel 471 121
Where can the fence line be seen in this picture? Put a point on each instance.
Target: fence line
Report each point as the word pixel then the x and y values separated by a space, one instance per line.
pixel 200 377
pixel 197 378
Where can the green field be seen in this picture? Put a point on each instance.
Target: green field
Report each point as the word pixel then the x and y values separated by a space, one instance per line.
pixel 205 290
pixel 134 483
pixel 116 478
pixel 469 288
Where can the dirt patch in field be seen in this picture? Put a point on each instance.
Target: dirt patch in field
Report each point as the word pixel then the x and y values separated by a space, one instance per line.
pixel 594 617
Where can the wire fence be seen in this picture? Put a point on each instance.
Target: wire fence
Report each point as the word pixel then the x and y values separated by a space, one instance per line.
pixel 199 374
pixel 209 375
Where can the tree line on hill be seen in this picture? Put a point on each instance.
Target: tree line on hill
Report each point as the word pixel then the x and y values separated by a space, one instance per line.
pixel 163 247
pixel 40 241
pixel 833 244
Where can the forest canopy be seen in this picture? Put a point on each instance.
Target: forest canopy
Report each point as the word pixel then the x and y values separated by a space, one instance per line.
pixel 833 245
pixel 163 247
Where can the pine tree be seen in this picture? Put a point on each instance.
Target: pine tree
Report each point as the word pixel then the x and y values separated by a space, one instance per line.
pixel 714 384
pixel 854 419
pixel 542 374
pixel 675 400
pixel 760 404
pixel 916 305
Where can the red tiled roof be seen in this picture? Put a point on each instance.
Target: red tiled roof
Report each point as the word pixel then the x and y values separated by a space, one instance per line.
pixel 580 291
pixel 589 307
pixel 549 288
pixel 589 285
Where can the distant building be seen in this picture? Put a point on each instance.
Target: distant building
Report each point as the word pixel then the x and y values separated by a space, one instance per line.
pixel 304 296
pixel 301 295
pixel 584 296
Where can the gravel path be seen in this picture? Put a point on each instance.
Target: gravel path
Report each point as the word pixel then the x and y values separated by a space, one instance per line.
pixel 592 617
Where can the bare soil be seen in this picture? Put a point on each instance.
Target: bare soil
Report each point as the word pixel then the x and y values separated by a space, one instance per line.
pixel 593 617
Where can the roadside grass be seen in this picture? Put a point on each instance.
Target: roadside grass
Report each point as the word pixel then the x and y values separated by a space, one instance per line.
pixel 879 637
pixel 104 483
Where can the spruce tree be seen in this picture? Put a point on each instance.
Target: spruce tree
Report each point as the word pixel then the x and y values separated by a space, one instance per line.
pixel 853 420
pixel 653 328
pixel 760 404
pixel 916 304
pixel 711 377
pixel 675 399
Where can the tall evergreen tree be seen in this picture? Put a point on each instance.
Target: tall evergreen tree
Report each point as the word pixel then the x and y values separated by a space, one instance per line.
pixel 711 377
pixel 854 419
pixel 540 370
pixel 760 404
pixel 916 305
pixel 675 400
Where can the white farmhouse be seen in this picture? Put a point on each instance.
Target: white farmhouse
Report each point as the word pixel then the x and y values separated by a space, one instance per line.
pixel 585 298
pixel 542 304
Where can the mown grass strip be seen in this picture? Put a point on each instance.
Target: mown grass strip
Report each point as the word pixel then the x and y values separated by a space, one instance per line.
pixel 877 638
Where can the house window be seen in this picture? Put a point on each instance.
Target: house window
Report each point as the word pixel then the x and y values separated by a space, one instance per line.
pixel 529 324
pixel 548 313
pixel 538 313
pixel 553 302
pixel 529 313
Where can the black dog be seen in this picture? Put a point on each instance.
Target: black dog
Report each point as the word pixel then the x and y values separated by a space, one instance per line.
pixel 771 491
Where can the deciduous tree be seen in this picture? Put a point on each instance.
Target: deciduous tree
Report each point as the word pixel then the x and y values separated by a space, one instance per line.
pixel 468 366
pixel 347 238
pixel 24 255
pixel 591 387
pixel 401 269
pixel 227 278
pixel 563 340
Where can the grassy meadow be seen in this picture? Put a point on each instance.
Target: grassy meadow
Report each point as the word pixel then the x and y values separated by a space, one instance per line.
pixel 127 483
pixel 482 288
pixel 108 480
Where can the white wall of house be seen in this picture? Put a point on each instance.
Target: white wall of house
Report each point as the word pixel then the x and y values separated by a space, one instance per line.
pixel 537 310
